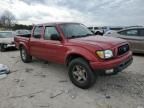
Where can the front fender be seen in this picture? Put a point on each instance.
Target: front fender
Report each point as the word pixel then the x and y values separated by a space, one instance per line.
pixel 85 53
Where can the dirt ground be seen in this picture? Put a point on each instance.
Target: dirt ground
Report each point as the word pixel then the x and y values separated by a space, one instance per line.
pixel 42 84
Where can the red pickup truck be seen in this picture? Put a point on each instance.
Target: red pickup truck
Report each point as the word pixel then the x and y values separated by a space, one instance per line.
pixel 72 44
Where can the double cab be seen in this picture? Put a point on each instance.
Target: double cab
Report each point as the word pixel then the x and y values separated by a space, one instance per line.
pixel 85 54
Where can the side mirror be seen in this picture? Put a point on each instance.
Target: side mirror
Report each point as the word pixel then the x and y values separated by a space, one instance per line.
pixel 55 37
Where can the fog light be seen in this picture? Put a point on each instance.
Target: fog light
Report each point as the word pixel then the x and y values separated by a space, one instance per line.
pixel 109 71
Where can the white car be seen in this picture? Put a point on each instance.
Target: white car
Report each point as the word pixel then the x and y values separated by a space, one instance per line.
pixel 22 32
pixel 6 40
pixel 109 32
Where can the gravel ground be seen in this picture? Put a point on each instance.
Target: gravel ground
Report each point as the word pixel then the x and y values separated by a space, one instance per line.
pixel 42 84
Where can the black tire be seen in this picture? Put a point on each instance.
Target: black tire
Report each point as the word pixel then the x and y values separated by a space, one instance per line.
pixel 25 57
pixel 2 49
pixel 90 77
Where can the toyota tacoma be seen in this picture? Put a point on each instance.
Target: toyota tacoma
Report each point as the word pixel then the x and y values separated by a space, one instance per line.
pixel 85 54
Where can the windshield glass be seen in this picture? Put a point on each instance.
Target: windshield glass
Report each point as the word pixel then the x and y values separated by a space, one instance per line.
pixel 75 30
pixel 6 35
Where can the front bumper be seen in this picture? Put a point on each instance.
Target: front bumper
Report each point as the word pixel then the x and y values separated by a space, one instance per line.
pixel 116 65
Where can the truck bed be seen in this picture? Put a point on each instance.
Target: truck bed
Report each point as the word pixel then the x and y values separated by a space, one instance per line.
pixel 21 39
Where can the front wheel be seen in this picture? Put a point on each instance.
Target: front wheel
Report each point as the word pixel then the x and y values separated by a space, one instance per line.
pixel 81 74
pixel 25 57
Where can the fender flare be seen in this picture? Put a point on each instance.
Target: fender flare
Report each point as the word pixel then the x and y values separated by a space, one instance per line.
pixel 25 46
pixel 82 52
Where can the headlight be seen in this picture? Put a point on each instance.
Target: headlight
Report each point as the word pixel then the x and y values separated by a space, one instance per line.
pixel 106 54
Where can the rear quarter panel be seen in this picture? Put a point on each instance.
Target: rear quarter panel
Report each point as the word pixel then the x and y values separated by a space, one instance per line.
pixel 22 41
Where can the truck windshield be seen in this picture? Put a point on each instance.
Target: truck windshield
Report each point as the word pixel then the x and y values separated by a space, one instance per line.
pixel 6 35
pixel 75 30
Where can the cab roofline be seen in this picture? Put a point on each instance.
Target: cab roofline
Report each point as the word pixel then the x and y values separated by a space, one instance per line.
pixel 55 23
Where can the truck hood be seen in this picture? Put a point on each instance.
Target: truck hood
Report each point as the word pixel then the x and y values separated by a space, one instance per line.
pixel 6 40
pixel 101 41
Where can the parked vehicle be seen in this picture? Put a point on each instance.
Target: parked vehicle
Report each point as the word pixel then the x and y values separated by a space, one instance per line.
pixel 72 44
pixel 6 40
pixel 96 30
pixel 109 32
pixel 22 32
pixel 104 29
pixel 113 28
pixel 134 35
pixel 99 32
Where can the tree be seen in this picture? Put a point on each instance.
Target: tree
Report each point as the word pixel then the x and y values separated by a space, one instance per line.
pixel 21 26
pixel 7 19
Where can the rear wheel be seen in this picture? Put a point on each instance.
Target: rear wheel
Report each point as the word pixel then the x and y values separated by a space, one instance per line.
pixel 25 57
pixel 81 74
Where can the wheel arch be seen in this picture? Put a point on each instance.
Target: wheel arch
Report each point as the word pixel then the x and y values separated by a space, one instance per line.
pixel 72 56
pixel 25 46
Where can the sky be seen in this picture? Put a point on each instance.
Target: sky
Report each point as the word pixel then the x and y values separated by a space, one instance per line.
pixel 88 12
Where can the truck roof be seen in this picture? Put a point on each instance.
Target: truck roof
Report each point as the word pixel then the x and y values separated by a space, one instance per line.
pixel 56 23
